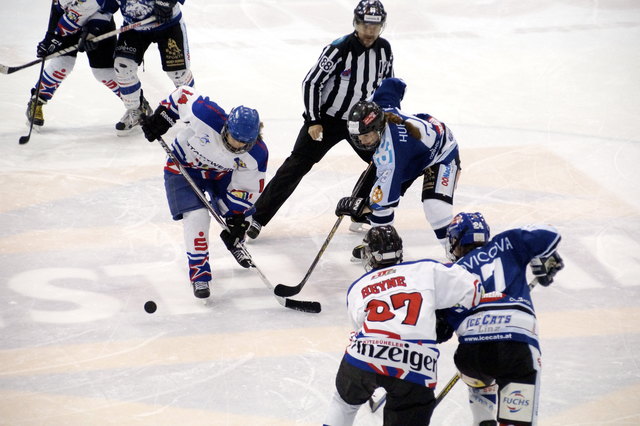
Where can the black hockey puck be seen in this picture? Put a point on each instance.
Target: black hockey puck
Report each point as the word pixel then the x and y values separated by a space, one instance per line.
pixel 150 307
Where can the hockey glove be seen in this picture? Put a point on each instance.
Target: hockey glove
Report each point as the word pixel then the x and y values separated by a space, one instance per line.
pixel 352 206
pixel 91 30
pixel 444 331
pixel 237 225
pixel 545 269
pixel 156 125
pixel 163 10
pixel 49 44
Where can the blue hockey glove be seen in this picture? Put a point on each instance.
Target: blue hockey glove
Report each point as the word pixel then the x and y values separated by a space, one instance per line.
pixel 157 124
pixel 163 10
pixel 352 206
pixel 49 44
pixel 544 269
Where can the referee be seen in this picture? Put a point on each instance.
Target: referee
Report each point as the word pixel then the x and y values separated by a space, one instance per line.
pixel 348 70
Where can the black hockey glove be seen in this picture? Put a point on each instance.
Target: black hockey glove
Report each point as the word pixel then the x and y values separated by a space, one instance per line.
pixel 90 30
pixel 545 269
pixel 157 124
pixel 163 10
pixel 237 225
pixel 352 206
pixel 444 331
pixel 49 44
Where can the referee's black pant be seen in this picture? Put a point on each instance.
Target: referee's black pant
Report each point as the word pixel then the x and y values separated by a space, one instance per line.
pixel 307 152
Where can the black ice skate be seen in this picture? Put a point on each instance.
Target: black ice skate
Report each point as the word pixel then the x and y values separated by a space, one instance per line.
pixel 201 289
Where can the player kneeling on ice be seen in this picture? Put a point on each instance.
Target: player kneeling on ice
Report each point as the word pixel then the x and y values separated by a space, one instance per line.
pixel 392 309
pixel 405 147
pixel 226 157
pixel 499 353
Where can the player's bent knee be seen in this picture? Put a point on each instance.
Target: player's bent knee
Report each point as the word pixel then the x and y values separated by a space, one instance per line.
pixel 126 70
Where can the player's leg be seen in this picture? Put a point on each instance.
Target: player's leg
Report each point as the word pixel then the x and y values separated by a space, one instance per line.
pixel 56 70
pixel 408 404
pixel 101 60
pixel 353 388
pixel 306 152
pixel 438 187
pixel 185 205
pixel 129 53
pixel 174 54
pixel 520 386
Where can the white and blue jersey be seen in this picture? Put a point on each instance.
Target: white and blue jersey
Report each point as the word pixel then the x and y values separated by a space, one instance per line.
pixel 139 10
pixel 400 158
pixel 392 311
pixel 506 311
pixel 75 14
pixel 234 179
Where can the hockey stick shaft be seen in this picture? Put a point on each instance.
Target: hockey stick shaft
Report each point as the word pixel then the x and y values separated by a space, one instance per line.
pixel 299 305
pixel 32 110
pixel 5 69
pixel 287 291
pixel 451 383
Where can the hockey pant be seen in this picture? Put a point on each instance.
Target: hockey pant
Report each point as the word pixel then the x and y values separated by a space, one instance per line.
pixel 408 404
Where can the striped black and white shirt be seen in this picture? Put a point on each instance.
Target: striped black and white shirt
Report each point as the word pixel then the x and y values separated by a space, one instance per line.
pixel 346 72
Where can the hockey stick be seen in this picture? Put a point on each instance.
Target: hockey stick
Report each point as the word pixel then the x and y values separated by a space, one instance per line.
pixel 298 305
pixel 451 383
pixel 32 111
pixel 5 69
pixel 288 291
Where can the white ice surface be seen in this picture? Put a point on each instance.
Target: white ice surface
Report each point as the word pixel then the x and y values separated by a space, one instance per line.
pixel 544 98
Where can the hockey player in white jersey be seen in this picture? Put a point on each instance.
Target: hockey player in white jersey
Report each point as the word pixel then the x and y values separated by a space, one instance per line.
pixel 226 157
pixel 73 22
pixel 406 147
pixel 499 354
pixel 392 310
pixel 169 32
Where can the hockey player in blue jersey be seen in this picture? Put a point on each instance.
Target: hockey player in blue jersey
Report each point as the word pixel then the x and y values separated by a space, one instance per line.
pixel 169 32
pixel 406 147
pixel 499 354
pixel 226 157
pixel 75 23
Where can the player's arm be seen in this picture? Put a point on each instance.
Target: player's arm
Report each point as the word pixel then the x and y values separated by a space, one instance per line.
pixel 315 79
pixel 541 242
pixel 168 112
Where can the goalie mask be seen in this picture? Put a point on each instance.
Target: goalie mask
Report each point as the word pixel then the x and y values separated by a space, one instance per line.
pixel 465 232
pixel 366 117
pixel 243 125
pixel 382 248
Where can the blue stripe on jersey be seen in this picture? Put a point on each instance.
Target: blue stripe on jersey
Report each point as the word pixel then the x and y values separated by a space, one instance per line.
pixel 202 109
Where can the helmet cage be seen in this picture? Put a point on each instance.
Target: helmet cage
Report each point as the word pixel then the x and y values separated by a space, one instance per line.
pixel 365 117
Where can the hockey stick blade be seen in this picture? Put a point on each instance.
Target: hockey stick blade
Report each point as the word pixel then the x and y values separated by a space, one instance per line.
pixel 303 306
pixel 287 291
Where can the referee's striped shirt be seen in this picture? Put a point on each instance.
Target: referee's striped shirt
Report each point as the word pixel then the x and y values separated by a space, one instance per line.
pixel 345 73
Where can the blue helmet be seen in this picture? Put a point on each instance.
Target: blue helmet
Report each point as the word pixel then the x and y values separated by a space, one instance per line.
pixel 243 124
pixel 466 232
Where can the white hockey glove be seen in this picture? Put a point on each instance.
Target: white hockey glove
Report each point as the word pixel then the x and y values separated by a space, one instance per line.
pixel 545 269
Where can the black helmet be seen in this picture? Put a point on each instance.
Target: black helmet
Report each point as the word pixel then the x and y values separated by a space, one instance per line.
pixel 369 12
pixel 365 117
pixel 382 247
